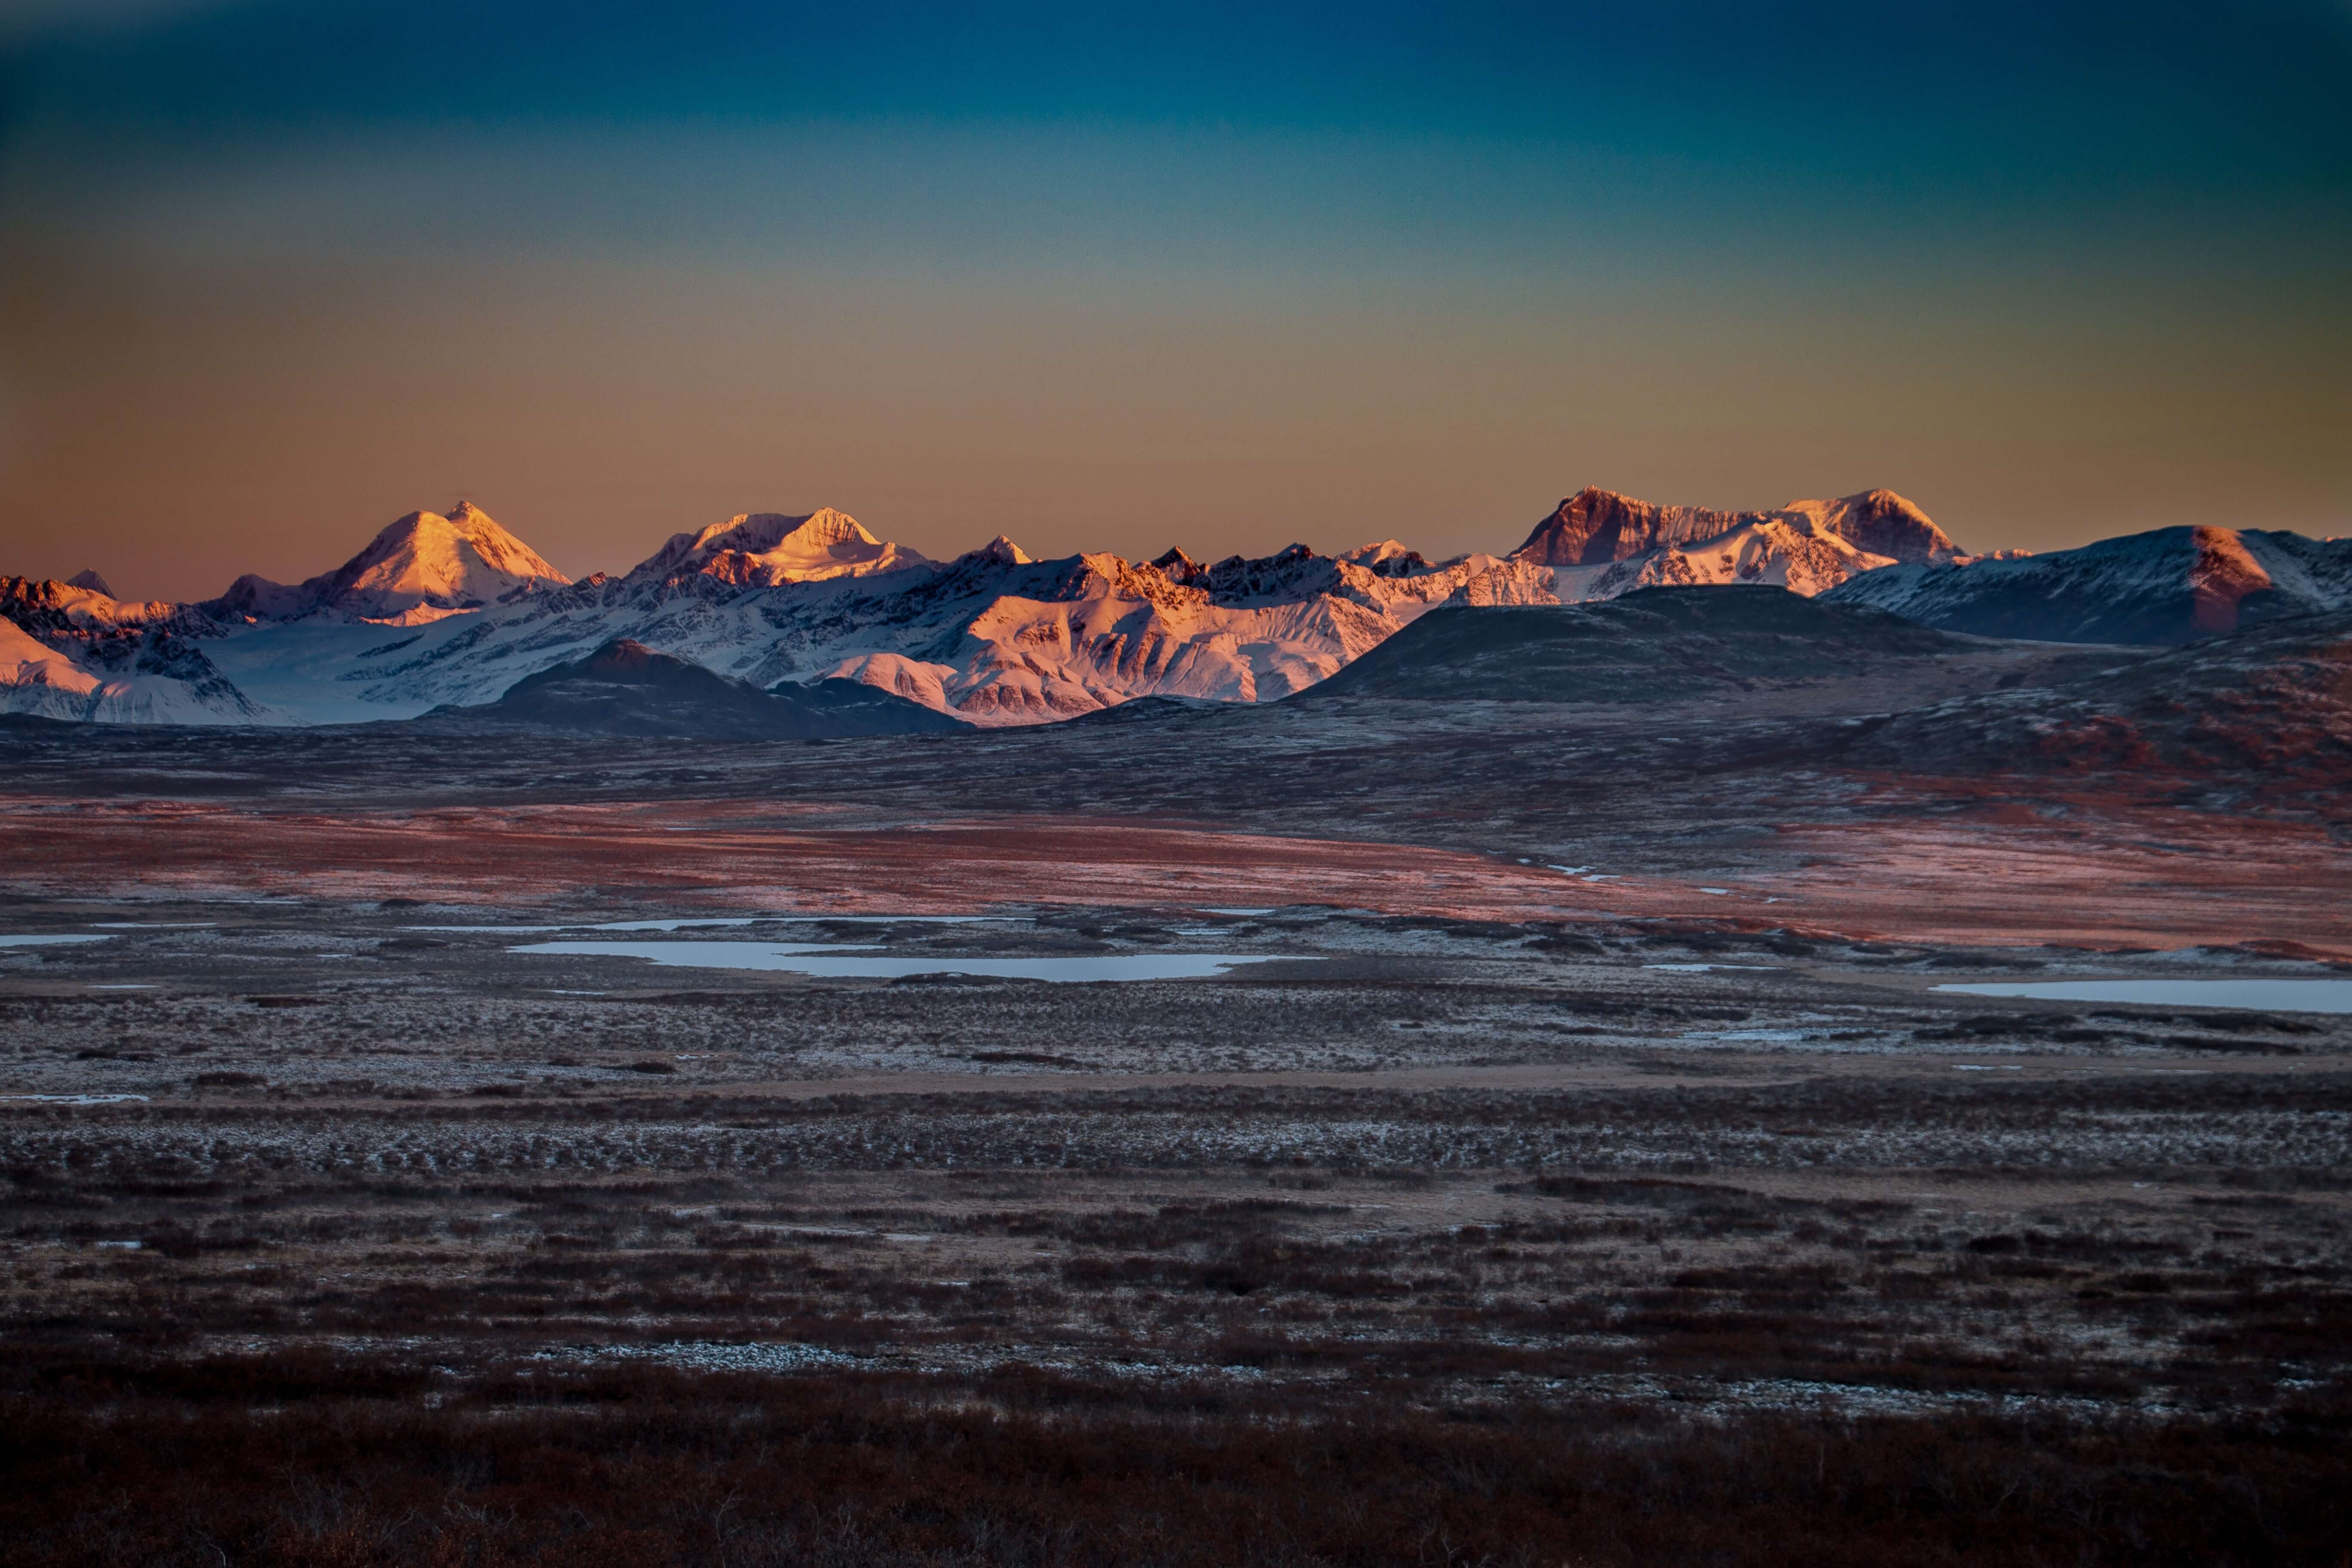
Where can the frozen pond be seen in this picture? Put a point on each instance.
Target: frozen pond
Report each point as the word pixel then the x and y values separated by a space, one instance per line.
pixel 2285 995
pixel 833 963
pixel 699 922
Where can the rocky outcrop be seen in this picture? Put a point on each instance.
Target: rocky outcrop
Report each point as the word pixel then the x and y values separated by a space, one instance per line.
pixel 1596 527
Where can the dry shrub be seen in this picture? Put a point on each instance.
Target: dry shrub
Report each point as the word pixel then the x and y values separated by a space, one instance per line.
pixel 305 1461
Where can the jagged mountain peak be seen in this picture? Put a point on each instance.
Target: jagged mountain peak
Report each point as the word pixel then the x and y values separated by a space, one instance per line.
pixel 758 532
pixel 1175 563
pixel 1596 527
pixel 993 635
pixel 88 577
pixel 767 548
pixel 1003 552
pixel 1387 558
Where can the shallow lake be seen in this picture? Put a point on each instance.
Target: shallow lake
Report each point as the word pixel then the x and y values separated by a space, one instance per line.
pixel 699 922
pixel 2280 995
pixel 832 962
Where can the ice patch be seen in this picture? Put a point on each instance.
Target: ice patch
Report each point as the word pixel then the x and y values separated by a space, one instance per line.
pixel 697 923
pixel 74 1099
pixel 1703 968
pixel 827 963
pixel 48 941
pixel 2285 995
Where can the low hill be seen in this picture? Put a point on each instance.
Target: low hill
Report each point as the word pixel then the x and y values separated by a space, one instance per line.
pixel 2273 702
pixel 627 689
pixel 1654 646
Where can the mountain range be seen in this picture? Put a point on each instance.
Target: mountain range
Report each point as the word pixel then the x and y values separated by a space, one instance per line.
pixel 2166 587
pixel 451 612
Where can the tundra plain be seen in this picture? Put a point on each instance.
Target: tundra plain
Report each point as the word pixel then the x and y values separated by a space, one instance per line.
pixel 1591 1164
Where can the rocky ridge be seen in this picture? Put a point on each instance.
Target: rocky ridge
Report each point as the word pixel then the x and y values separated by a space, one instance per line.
pixel 78 653
pixel 2167 586
pixel 453 610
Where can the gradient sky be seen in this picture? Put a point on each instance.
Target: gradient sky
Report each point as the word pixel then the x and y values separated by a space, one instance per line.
pixel 1119 277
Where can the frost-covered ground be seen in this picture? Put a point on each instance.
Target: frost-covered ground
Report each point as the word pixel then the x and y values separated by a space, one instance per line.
pixel 1622 1160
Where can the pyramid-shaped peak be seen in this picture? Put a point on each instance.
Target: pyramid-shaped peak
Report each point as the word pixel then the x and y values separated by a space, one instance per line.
pixel 88 579
pixel 423 565
pixel 829 526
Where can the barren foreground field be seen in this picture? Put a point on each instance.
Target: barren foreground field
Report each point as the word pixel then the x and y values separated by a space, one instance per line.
pixel 1581 1160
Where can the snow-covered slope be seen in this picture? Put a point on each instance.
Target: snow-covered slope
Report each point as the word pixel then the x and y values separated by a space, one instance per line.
pixel 2168 586
pixel 1798 556
pixel 992 636
pixel 420 568
pixel 1596 527
pixel 454 611
pixel 68 652
pixel 36 679
pixel 764 549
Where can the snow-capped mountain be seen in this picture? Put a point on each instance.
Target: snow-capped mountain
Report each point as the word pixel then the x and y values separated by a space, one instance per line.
pixel 420 568
pixel 1597 528
pixel 68 652
pixel 992 636
pixel 454 610
pixel 766 549
pixel 2168 586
